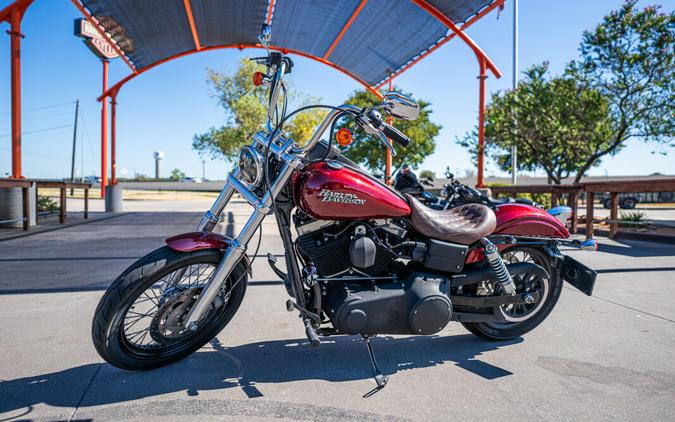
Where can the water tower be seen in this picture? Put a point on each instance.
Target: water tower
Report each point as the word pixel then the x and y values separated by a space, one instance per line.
pixel 158 156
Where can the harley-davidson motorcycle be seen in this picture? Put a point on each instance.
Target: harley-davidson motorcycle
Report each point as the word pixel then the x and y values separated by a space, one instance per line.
pixel 364 259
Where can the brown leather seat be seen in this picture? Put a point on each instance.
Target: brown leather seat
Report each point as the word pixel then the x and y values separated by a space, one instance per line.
pixel 464 224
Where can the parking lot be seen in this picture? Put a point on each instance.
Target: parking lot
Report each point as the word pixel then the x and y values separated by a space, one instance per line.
pixel 606 357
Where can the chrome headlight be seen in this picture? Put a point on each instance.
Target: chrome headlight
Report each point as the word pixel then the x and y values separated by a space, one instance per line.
pixel 250 166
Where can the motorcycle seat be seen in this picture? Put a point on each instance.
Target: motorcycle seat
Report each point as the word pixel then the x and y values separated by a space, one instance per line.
pixel 464 224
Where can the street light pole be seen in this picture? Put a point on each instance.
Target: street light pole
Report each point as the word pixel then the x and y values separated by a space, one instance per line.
pixel 514 148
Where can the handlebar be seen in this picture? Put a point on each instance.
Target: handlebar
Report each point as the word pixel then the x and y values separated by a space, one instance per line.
pixel 395 135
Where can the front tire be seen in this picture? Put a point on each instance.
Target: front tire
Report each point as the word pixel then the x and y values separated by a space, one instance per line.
pixel 550 292
pixel 158 290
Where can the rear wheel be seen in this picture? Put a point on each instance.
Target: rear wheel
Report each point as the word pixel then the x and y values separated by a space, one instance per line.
pixel 523 318
pixel 139 321
pixel 628 203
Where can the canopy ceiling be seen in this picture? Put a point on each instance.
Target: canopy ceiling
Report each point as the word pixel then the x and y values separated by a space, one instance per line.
pixel 368 39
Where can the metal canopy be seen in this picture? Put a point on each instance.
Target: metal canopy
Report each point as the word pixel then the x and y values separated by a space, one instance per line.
pixel 369 40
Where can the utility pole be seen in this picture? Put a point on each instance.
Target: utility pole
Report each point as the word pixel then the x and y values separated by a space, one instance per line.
pixel 72 161
pixel 514 148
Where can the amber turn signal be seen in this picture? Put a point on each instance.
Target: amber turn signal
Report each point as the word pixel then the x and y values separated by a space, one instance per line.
pixel 343 137
pixel 258 78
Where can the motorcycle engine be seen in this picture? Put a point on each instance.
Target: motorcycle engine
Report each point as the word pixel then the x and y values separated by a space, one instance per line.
pixel 337 249
pixel 418 305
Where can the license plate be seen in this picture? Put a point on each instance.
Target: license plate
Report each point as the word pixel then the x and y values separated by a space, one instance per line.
pixel 578 275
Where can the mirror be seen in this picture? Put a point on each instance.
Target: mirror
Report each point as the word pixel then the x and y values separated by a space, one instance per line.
pixel 400 106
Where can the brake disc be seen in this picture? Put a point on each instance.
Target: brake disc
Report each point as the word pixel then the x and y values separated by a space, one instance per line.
pixel 167 325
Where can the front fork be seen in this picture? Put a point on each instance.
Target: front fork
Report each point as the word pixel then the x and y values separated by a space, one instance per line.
pixel 237 249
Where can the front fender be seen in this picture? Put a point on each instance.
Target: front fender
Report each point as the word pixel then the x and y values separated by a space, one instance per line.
pixel 194 241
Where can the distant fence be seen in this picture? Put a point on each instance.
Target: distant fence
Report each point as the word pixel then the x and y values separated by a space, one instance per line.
pixel 572 192
pixel 27 184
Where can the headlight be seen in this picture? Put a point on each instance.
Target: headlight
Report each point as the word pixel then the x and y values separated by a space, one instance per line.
pixel 444 193
pixel 250 166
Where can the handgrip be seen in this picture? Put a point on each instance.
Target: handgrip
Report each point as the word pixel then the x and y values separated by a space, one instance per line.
pixel 395 135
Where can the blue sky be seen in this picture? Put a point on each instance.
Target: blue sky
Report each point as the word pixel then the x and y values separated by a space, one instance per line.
pixel 163 108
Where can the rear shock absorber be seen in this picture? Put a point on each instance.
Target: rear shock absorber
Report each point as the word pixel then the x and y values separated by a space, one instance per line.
pixel 497 264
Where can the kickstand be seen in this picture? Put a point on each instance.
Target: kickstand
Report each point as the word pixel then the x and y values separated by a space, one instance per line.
pixel 380 379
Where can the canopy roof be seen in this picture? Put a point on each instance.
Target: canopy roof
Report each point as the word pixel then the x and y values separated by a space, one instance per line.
pixel 370 40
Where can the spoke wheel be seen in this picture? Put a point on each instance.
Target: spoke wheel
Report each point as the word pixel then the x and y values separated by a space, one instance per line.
pixel 525 283
pixel 521 319
pixel 139 323
pixel 155 319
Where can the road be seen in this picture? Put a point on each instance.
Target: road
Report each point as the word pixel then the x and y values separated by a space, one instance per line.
pixel 607 357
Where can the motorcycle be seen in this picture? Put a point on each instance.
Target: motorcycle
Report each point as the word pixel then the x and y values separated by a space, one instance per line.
pixel 406 182
pixel 365 259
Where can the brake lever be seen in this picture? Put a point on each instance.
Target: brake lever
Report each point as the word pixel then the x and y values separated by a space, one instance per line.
pixel 386 143
pixel 365 122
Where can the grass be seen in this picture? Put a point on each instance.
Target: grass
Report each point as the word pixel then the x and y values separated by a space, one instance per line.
pixel 632 218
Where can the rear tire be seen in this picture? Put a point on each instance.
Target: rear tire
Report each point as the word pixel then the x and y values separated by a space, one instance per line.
pixel 508 331
pixel 109 325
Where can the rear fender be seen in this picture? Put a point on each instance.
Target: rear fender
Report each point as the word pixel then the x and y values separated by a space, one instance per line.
pixel 194 241
pixel 522 220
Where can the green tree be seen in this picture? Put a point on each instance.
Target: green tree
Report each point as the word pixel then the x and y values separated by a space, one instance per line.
pixel 424 174
pixel 559 124
pixel 369 150
pixel 630 58
pixel 244 105
pixel 245 108
pixel 176 174
pixel 622 87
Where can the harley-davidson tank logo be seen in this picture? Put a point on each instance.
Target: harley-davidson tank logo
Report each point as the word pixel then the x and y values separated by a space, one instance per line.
pixel 339 197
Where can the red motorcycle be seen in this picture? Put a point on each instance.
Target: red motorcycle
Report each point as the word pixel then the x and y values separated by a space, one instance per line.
pixel 364 259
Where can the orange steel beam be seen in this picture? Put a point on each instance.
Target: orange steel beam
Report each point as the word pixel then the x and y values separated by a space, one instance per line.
pixel 388 162
pixel 115 88
pixel 15 57
pixel 104 131
pixel 193 27
pixel 105 36
pixel 270 10
pixel 442 42
pixel 14 14
pixel 113 140
pixel 344 29
pixel 454 28
pixel 481 122
pixel 20 5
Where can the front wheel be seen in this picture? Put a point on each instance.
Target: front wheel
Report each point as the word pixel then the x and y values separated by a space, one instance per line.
pixel 138 323
pixel 523 318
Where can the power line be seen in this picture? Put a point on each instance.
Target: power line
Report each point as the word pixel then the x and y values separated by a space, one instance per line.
pixel 38 130
pixel 38 154
pixel 28 110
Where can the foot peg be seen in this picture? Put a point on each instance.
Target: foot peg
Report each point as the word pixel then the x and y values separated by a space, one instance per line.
pixel 272 260
pixel 313 338
pixel 380 379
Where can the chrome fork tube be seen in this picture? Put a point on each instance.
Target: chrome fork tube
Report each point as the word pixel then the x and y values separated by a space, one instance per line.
pixel 238 245
pixel 212 216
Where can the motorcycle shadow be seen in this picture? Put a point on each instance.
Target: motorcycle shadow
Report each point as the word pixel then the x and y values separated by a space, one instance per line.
pixel 247 366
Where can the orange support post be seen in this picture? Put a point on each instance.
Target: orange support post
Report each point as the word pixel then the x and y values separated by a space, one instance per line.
pixel 387 167
pixel 15 33
pixel 481 122
pixel 104 131
pixel 113 140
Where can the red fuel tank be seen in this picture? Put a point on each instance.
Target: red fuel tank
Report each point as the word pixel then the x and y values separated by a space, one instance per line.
pixel 333 191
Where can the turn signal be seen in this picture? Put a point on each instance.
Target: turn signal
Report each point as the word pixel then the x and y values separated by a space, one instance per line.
pixel 258 78
pixel 343 137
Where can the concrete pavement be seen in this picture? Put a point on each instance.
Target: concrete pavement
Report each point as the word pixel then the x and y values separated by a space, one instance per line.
pixel 607 357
